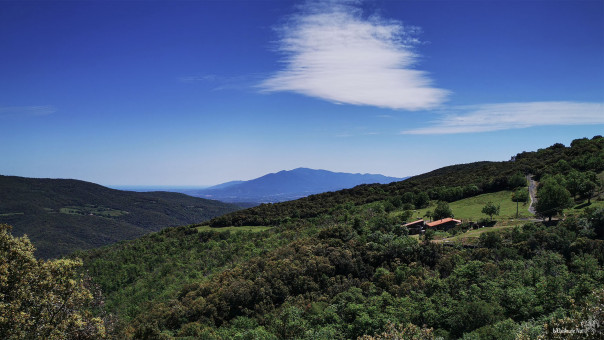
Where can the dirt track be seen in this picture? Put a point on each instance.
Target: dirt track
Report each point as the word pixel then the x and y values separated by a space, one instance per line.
pixel 532 193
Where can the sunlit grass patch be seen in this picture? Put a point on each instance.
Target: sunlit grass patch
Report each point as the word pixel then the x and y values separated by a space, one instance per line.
pixel 470 209
pixel 234 229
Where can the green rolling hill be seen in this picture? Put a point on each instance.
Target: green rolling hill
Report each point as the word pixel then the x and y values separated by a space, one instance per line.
pixel 62 215
pixel 340 266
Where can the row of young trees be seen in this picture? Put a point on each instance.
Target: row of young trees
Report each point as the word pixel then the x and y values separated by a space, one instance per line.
pixel 558 192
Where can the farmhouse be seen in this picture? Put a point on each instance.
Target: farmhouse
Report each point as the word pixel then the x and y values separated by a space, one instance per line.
pixel 415 227
pixel 444 224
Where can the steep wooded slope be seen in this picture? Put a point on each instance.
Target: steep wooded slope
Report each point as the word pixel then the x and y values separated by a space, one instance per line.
pixel 449 183
pixel 61 215
pixel 347 269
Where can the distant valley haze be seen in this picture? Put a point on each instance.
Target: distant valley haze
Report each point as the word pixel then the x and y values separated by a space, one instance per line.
pixel 281 186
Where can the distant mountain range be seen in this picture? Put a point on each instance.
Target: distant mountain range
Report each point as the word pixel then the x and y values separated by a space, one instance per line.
pixel 62 215
pixel 287 185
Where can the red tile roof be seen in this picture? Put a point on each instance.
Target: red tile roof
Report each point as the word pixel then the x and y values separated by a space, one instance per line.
pixel 414 223
pixel 443 221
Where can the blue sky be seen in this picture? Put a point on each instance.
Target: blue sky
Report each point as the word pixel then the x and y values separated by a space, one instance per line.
pixel 204 92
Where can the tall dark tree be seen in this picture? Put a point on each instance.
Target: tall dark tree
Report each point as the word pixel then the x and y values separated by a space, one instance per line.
pixel 587 189
pixel 517 180
pixel 573 182
pixel 421 200
pixel 520 195
pixel 552 199
pixel 442 210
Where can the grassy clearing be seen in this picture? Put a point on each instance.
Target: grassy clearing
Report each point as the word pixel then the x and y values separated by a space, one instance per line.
pixel 578 208
pixel 12 214
pixel 470 236
pixel 469 209
pixel 92 210
pixel 475 233
pixel 254 229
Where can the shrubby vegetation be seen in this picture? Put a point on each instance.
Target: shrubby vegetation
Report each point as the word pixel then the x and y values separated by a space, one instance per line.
pixel 491 209
pixel 347 281
pixel 44 299
pixel 584 156
pixel 61 215
pixel 442 210
pixel 340 266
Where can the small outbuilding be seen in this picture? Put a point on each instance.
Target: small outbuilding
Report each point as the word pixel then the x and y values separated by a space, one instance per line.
pixel 415 227
pixel 444 224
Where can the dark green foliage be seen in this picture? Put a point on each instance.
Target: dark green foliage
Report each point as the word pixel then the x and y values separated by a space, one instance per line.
pixel 517 180
pixel 340 283
pixel 491 209
pixel 160 264
pixel 587 189
pixel 448 184
pixel 441 211
pixel 60 216
pixel 44 299
pixel 338 266
pixel 408 198
pixel 552 198
pixel 421 200
pixel 584 184
pixel 595 221
pixel 520 195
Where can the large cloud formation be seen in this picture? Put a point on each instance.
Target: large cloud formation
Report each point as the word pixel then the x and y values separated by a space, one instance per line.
pixel 334 53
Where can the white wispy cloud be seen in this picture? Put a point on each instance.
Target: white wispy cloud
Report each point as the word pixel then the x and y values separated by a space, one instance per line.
pixel 493 117
pixel 219 82
pixel 26 111
pixel 334 53
pixel 198 78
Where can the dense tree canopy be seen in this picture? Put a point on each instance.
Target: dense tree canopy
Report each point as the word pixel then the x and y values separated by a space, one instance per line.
pixel 520 195
pixel 349 280
pixel 553 198
pixel 42 299
pixel 449 184
pixel 339 265
pixel 442 210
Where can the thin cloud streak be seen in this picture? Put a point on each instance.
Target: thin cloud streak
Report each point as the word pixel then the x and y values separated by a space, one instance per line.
pixel 333 53
pixel 222 82
pixel 26 111
pixel 505 116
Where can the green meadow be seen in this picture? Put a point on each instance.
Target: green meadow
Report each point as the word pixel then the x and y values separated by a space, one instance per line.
pixel 469 209
pixel 232 229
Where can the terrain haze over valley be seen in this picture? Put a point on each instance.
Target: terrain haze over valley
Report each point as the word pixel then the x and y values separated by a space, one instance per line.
pixel 278 187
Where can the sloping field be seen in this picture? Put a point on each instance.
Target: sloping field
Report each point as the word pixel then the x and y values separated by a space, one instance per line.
pixel 469 209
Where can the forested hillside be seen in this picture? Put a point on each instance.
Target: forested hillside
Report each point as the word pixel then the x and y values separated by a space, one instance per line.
pixel 449 184
pixel 61 215
pixel 341 266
